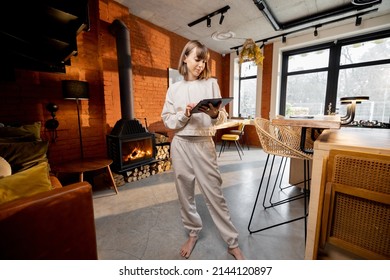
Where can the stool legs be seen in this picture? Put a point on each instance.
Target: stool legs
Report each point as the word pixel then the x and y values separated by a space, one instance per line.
pixel 238 148
pixel 268 168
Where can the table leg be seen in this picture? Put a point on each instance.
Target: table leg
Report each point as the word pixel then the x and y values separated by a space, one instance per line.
pixel 112 179
pixel 303 140
pixel 81 177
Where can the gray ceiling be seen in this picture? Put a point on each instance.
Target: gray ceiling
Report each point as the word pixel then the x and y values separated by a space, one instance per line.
pixel 243 19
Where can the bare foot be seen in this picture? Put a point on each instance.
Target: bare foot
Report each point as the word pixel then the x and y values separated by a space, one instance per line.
pixel 236 253
pixel 187 247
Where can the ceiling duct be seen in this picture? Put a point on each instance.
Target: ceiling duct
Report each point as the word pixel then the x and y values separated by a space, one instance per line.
pixel 355 5
pixel 366 2
pixel 262 6
pixel 326 15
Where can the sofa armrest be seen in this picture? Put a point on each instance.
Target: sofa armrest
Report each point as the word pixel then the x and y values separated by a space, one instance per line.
pixel 57 224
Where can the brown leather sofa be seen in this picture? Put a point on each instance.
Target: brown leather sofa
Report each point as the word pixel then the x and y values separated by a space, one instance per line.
pixel 52 225
pixel 39 218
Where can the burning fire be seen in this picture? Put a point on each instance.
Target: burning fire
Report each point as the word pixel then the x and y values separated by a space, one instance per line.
pixel 136 153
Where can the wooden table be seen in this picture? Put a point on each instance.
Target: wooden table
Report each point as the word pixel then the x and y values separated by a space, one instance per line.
pixel 320 122
pixel 233 123
pixel 367 140
pixel 85 165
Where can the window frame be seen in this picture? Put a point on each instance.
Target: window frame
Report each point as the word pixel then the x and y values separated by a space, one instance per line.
pixel 333 68
pixel 240 78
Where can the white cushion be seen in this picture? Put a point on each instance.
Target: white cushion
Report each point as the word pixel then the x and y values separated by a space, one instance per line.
pixel 5 168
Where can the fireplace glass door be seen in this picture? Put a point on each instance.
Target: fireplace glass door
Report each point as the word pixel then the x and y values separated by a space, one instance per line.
pixel 137 150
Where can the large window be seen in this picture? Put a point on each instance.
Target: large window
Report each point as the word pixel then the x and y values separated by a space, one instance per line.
pixel 245 90
pixel 315 78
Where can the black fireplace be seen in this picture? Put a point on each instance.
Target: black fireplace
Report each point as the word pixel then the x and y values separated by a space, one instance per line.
pixel 130 145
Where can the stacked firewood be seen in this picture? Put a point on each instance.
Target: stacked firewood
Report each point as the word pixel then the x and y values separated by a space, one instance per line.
pixel 142 172
pixel 145 171
pixel 119 179
pixel 162 164
pixel 162 152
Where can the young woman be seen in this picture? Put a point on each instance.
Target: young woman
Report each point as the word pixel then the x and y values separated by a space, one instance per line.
pixel 193 152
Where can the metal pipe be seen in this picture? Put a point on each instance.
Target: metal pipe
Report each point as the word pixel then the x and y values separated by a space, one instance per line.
pixel 122 35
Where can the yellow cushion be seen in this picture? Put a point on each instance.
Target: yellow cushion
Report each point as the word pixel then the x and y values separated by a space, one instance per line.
pixel 25 183
pixel 230 137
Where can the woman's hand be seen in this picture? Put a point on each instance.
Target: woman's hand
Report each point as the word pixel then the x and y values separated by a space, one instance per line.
pixel 188 109
pixel 210 110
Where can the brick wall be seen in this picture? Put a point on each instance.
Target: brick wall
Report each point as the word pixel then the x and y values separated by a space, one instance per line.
pixel 267 81
pixel 153 51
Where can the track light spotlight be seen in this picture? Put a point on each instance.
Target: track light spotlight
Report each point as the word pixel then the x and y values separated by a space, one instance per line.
pixel 237 52
pixel 284 39
pixel 357 16
pixel 358 21
pixel 208 17
pixel 221 18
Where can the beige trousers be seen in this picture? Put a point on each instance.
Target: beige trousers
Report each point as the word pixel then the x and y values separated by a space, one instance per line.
pixel 194 159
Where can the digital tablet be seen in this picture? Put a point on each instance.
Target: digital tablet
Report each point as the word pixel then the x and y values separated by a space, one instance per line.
pixel 217 102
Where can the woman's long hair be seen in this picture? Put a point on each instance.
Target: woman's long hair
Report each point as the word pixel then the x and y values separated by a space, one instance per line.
pixel 201 53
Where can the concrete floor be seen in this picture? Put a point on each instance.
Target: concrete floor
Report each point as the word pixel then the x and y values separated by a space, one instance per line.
pixel 143 222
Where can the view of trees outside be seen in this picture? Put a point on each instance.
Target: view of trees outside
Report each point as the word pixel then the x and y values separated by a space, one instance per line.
pixel 305 93
pixel 247 90
pixel 372 81
pixel 362 73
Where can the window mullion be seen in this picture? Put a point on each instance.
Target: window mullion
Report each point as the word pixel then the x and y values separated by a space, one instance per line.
pixel 333 77
pixel 239 90
pixel 283 87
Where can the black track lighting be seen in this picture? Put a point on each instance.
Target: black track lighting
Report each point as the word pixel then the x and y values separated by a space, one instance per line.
pixel 237 52
pixel 315 32
pixel 208 22
pixel 221 18
pixel 284 39
pixel 208 17
pixel 358 21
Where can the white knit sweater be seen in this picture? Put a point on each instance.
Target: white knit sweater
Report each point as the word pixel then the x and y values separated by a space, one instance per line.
pixel 182 93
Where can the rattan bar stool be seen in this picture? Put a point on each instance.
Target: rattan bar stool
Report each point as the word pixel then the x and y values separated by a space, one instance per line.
pixel 282 142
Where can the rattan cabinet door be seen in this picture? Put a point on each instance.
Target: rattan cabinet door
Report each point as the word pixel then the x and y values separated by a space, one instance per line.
pixel 357 203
